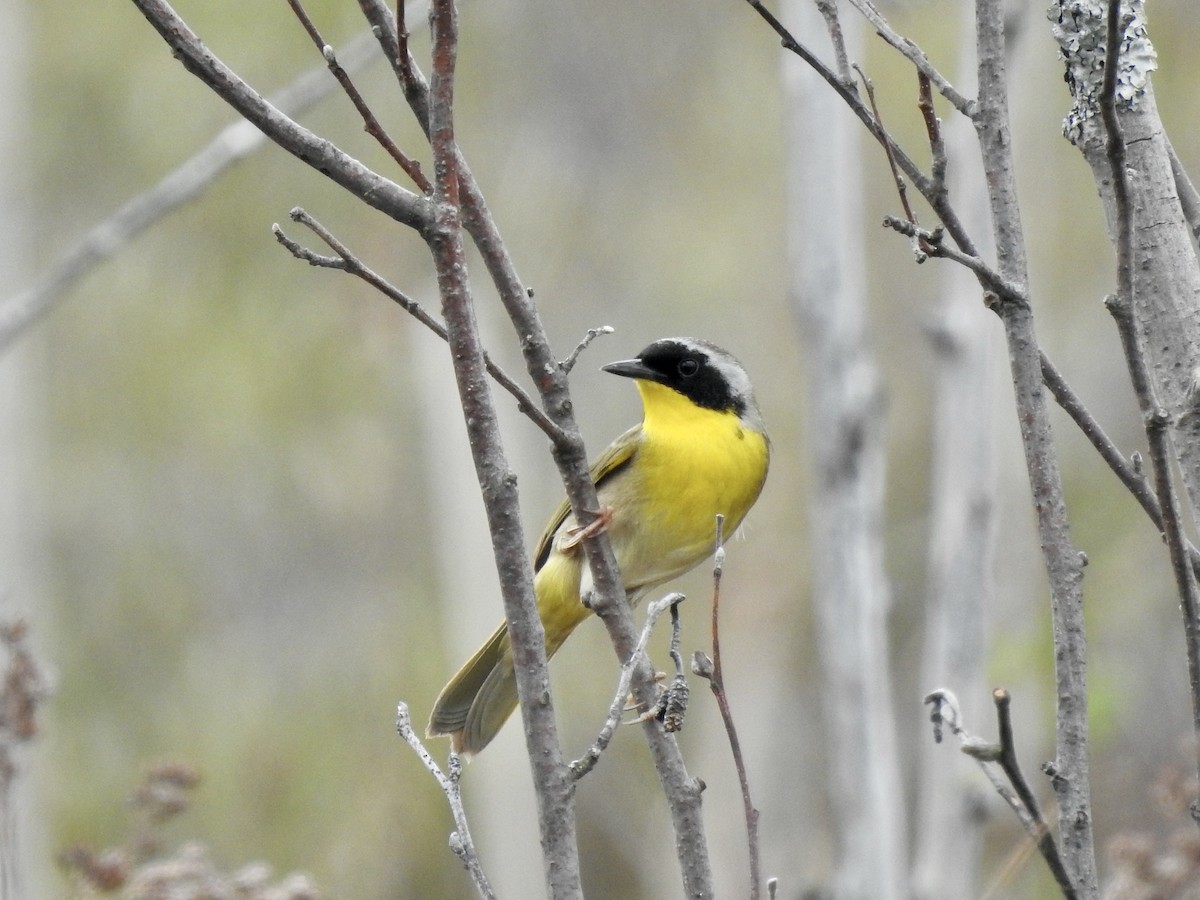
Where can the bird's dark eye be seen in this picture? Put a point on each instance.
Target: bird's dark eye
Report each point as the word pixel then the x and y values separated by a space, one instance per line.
pixel 688 367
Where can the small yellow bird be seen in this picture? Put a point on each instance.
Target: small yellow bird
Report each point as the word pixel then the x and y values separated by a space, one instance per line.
pixel 701 450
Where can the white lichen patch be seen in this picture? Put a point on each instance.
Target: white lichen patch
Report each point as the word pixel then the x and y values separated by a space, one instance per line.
pixel 1079 26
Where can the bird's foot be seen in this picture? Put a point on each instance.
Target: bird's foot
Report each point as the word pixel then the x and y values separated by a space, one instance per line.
pixel 577 535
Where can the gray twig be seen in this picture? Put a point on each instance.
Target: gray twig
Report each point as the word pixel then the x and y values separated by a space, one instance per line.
pixel 460 839
pixel 920 251
pixel 1130 475
pixel 934 244
pixel 1064 563
pixel 1189 197
pixel 347 261
pixel 587 762
pixel 592 333
pixel 833 24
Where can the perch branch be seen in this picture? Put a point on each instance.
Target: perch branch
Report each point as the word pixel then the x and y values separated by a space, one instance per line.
pixel 497 482
pixel 1131 476
pixel 682 791
pixel 587 762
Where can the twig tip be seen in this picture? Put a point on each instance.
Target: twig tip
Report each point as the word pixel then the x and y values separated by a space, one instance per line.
pixel 943 713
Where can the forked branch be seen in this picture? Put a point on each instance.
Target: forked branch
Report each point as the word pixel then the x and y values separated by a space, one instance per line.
pixel 999 762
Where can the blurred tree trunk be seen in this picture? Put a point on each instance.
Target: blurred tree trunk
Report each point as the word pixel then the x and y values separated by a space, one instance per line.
pixel 950 799
pixel 845 433
pixel 23 844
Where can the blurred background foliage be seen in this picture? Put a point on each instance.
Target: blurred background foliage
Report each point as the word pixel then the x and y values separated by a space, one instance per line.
pixel 249 526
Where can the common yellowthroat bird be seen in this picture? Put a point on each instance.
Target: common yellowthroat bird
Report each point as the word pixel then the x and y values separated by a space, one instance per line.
pixel 701 450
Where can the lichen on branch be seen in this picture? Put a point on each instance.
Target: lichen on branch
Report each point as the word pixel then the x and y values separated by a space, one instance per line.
pixel 1079 28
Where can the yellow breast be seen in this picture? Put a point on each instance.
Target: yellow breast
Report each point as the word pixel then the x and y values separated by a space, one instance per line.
pixel 691 465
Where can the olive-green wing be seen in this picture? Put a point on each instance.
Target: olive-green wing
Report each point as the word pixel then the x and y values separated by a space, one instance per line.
pixel 614 459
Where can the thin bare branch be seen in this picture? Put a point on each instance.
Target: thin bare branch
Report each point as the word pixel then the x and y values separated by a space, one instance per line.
pixel 1064 563
pixel 933 242
pixel 346 261
pixel 920 251
pixel 843 87
pixel 1134 481
pixel 1189 197
pixel 850 96
pixel 672 706
pixel 592 333
pixel 1007 759
pixel 933 127
pixel 833 24
pixel 1131 476
pixel 392 33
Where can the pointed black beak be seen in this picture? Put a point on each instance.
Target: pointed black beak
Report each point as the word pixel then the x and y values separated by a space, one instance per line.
pixel 631 368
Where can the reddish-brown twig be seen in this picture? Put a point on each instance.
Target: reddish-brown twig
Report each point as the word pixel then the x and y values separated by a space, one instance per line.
pixel 710 669
pixel 370 124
